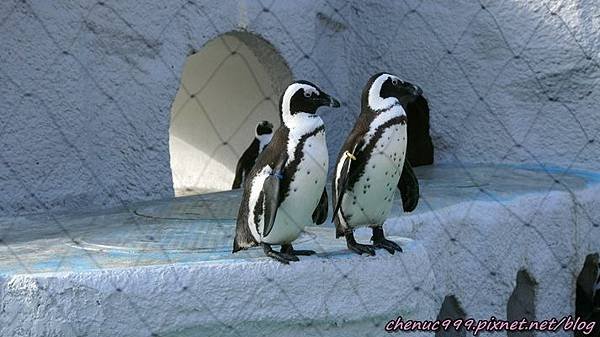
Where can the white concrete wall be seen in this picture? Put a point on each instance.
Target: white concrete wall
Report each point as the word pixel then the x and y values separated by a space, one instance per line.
pixel 87 87
pixel 508 81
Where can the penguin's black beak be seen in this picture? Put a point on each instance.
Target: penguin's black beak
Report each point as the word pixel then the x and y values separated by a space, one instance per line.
pixel 412 89
pixel 417 91
pixel 334 103
pixel 327 100
pixel 408 93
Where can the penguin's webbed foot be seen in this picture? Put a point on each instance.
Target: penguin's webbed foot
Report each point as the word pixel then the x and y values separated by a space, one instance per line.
pixel 357 247
pixel 281 257
pixel 361 249
pixel 288 249
pixel 388 245
pixel 379 241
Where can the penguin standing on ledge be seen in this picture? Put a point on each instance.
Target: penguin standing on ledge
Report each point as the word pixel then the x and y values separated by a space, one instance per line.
pixel 285 190
pixel 371 164
pixel 262 137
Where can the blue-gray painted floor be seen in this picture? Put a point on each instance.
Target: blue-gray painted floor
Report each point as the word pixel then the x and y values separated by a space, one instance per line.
pixel 200 228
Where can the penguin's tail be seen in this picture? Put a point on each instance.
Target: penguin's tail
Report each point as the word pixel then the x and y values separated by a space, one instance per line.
pixel 236 245
pixel 241 244
pixel 243 237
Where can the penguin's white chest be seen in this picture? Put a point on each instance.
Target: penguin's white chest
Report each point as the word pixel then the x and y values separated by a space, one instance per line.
pixel 306 187
pixel 369 201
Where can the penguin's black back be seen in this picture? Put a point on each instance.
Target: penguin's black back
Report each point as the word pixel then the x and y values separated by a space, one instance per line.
pixel 245 163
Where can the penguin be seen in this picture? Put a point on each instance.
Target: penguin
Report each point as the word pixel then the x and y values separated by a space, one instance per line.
pixel 285 190
pixel 262 137
pixel 372 164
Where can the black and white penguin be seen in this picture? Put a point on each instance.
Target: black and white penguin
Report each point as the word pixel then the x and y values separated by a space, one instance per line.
pixel 371 164
pixel 285 190
pixel 262 137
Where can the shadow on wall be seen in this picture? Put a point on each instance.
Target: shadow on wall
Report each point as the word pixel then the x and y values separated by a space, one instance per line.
pixel 229 85
pixel 420 146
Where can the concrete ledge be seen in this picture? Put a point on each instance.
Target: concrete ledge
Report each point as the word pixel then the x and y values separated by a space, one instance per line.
pixel 165 267
pixel 333 292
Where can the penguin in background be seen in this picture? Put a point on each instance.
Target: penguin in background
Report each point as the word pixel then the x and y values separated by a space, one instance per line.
pixel 372 164
pixel 285 190
pixel 262 136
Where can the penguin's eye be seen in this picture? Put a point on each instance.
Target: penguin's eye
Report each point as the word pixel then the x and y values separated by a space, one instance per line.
pixel 395 81
pixel 307 94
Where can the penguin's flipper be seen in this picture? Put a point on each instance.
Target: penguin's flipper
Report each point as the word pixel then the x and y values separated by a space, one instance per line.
pixel 409 188
pixel 271 202
pixel 341 183
pixel 272 195
pixel 346 163
pixel 320 214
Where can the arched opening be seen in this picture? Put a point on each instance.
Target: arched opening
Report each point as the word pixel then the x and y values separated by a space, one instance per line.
pixel 226 87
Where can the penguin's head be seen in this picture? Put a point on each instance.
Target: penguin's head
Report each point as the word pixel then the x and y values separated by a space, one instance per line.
pixel 383 90
pixel 264 128
pixel 301 100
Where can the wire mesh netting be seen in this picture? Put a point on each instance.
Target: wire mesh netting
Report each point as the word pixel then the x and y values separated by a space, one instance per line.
pixel 467 72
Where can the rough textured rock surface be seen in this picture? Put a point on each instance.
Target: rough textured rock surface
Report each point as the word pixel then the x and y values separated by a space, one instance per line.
pixel 481 246
pixel 507 81
pixel 212 299
pixel 86 87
